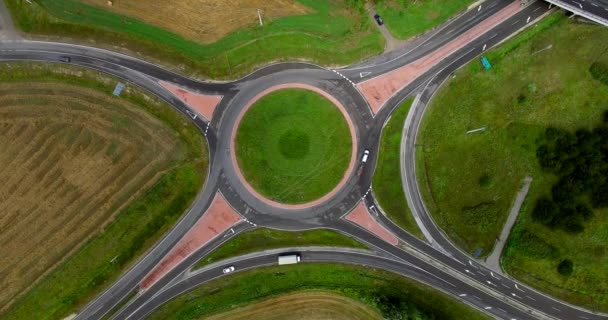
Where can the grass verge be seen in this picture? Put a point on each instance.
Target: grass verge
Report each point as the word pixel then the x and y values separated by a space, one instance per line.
pixel 105 256
pixel 387 184
pixel 293 154
pixel 379 289
pixel 334 34
pixel 407 19
pixel 539 79
pixel 264 239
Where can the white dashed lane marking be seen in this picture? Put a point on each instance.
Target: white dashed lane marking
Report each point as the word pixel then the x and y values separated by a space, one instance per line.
pixel 343 76
pixel 366 193
pixel 251 223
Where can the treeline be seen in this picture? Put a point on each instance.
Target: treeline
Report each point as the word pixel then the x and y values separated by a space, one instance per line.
pixel 580 160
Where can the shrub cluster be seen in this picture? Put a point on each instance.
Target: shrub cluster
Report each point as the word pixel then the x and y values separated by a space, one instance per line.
pixel 580 160
pixel 565 267
pixel 599 71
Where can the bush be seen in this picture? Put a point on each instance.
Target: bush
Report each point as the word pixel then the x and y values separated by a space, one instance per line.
pixel 565 267
pixel 599 71
pixel 534 246
pixel 544 211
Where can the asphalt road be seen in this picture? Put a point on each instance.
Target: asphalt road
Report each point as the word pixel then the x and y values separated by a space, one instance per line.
pixel 420 261
pixel 409 266
pixel 595 10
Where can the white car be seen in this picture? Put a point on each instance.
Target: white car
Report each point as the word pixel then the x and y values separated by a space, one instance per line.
pixel 228 269
pixel 365 155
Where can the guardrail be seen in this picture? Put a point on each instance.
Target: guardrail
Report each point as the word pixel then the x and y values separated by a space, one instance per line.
pixel 579 11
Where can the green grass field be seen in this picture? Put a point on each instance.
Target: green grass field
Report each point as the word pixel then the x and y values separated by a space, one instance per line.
pixel 367 285
pixel 334 34
pixel 264 239
pixel 540 78
pixel 104 257
pixel 407 19
pixel 387 185
pixel 293 146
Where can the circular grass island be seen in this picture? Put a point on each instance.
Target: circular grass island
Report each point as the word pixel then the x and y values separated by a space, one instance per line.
pixel 293 146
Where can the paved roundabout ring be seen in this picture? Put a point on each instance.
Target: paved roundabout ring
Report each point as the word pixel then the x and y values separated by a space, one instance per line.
pixel 262 210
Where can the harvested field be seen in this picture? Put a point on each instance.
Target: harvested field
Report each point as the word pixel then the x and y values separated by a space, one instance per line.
pixel 305 305
pixel 202 20
pixel 72 157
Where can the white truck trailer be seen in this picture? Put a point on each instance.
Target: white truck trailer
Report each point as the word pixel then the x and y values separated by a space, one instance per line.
pixel 289 259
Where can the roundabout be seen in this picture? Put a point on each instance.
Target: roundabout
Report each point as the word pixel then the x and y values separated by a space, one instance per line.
pixel 293 146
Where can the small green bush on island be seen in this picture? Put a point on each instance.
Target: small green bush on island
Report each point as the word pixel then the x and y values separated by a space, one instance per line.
pixel 565 267
pixel 599 71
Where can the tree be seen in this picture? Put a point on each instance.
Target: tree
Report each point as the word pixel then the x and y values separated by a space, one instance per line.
pixel 565 268
pixel 572 223
pixel 544 211
pixel 580 160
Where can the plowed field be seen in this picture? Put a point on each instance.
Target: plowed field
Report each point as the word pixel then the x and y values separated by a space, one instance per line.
pixel 70 159
pixel 307 305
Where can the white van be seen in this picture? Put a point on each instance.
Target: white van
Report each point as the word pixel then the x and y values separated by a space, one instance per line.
pixel 365 155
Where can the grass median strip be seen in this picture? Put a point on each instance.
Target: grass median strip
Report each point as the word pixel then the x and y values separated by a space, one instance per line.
pixel 326 32
pixel 114 175
pixel 386 292
pixel 539 79
pixel 293 146
pixel 387 184
pixel 264 239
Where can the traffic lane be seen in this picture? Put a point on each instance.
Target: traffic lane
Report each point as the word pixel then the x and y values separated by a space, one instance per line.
pixel 182 268
pixel 438 74
pixel 594 7
pixel 534 297
pixel 238 194
pixel 134 63
pixel 556 308
pixel 130 279
pixel 114 69
pixel 462 56
pixel 452 286
pixel 435 40
pixel 123 286
pixel 499 285
pixel 189 283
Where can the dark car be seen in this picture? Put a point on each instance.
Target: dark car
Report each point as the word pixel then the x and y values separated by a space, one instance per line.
pixel 378 19
pixel 65 59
